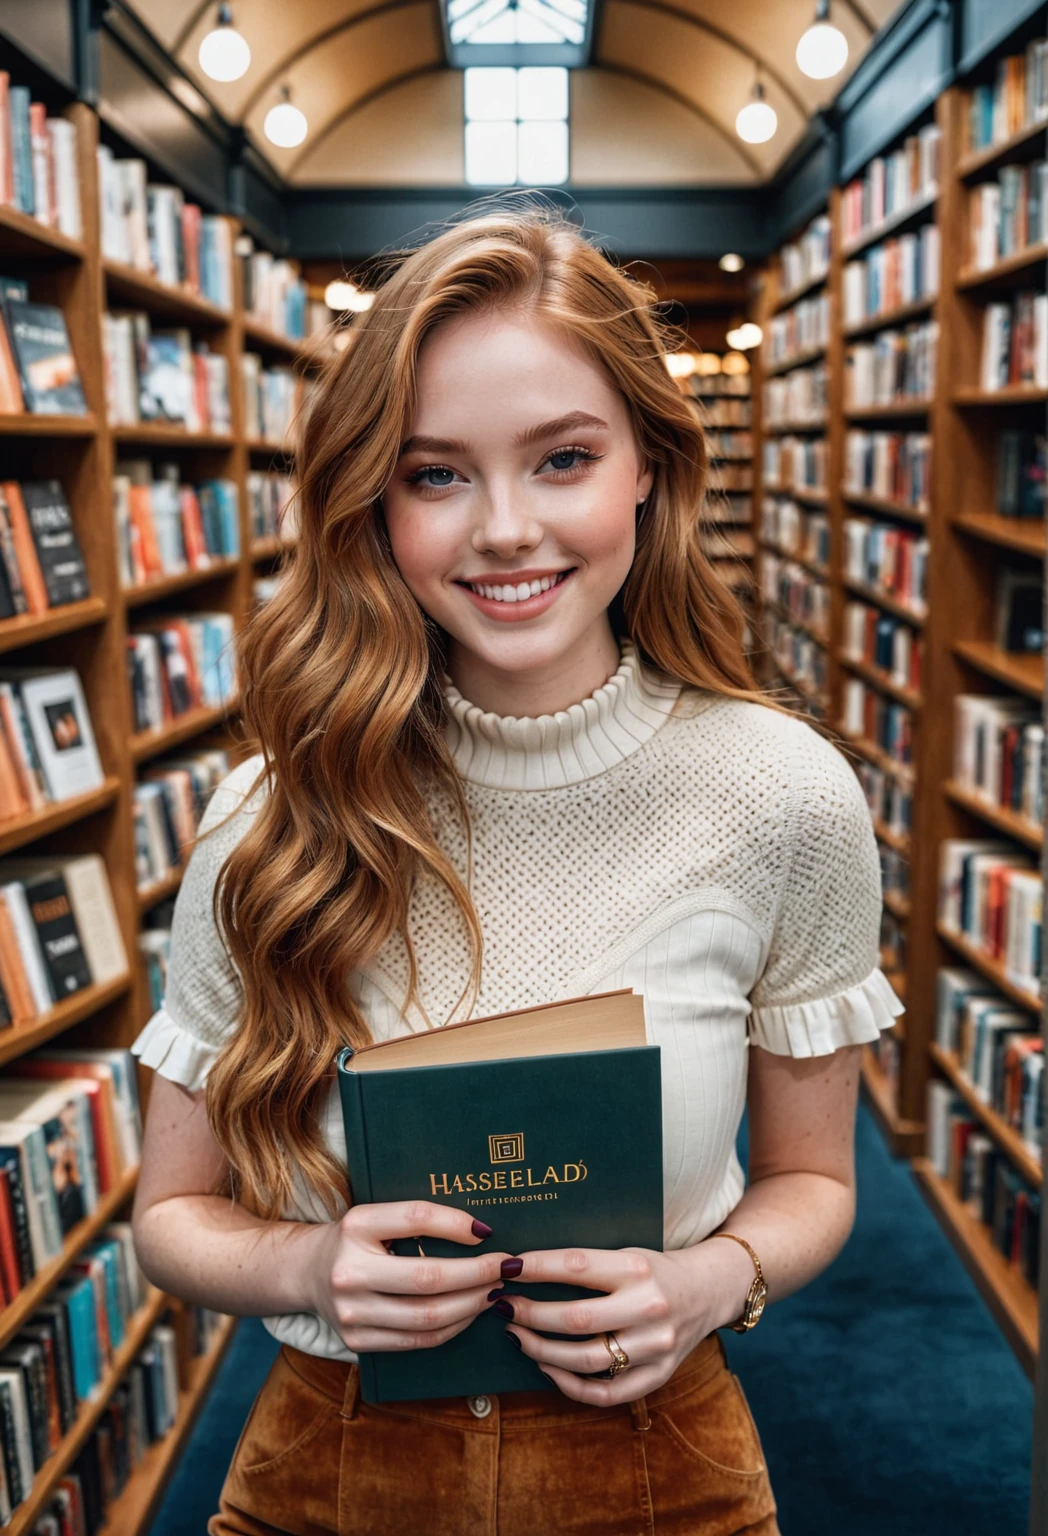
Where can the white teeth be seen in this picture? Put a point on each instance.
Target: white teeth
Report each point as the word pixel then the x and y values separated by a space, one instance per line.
pixel 518 593
pixel 545 584
pixel 523 591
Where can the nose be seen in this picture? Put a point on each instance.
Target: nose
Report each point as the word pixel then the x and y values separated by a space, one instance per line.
pixel 505 526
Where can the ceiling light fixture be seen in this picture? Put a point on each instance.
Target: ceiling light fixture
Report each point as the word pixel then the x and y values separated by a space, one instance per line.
pixel 681 365
pixel 823 50
pixel 341 295
pixel 757 120
pixel 730 262
pixel 285 126
pixel 224 54
pixel 745 336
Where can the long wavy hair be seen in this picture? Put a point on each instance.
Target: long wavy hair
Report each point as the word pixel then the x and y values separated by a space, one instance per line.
pixel 341 675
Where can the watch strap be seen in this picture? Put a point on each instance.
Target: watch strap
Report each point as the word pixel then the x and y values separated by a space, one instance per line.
pixel 742 1325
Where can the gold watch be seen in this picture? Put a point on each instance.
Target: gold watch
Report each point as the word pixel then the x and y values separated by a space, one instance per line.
pixel 758 1292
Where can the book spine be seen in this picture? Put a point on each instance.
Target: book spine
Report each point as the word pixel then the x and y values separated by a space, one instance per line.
pixel 10 1160
pixel 360 1183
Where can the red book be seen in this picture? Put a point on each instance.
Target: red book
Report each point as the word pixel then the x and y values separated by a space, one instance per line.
pixel 10 1269
pixel 193 530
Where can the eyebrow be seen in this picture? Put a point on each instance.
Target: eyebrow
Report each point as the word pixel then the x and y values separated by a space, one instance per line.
pixel 538 433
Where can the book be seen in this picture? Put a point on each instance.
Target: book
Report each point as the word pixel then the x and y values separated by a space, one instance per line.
pixel 46 365
pixel 61 728
pixel 57 547
pixel 531 1149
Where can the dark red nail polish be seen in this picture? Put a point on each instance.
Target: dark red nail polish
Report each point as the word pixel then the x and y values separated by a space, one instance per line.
pixel 496 1292
pixel 503 1309
pixel 511 1268
pixel 481 1229
pixel 513 1338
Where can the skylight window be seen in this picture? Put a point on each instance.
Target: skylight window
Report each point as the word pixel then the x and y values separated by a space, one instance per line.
pixel 516 126
pixel 490 33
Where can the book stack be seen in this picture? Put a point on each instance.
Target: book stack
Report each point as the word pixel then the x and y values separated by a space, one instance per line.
pixel 720 477
pixel 274 294
pixel 891 184
pixel 38 371
pixel 163 376
pixel 794 463
pixel 271 398
pixel 892 274
pixel 1021 474
pixel 999 752
pixel 1016 98
pixel 180 663
pixel 998 1048
pixel 1015 342
pixel 866 712
pixel 896 366
pixel 155 229
pixel 169 801
pixel 41 563
pixel 890 798
pixel 806 260
pixel 38 164
pixel 725 412
pixel 892 466
pixel 799 657
pixel 883 641
pixel 269 497
pixel 729 445
pixel 800 396
pixel 802 596
pixel 799 329
pixel 47 746
pixel 990 893
pixel 892 560
pixel 795 531
pixel 165 527
pixel 1007 215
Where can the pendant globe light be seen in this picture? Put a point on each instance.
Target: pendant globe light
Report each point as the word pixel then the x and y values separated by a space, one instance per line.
pixel 224 54
pixel 757 120
pixel 285 125
pixel 823 50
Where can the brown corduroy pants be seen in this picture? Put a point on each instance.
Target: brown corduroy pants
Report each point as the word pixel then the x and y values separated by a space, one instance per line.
pixel 314 1460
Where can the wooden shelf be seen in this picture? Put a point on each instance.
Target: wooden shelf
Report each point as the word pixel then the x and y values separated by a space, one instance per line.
pixel 162 586
pixel 151 895
pixel 167 434
pixel 783 613
pixel 798 360
pixel 884 600
pixel 269 548
pixel 259 335
pixel 21 235
pixel 888 508
pixel 793 294
pixel 131 286
pixel 896 221
pixel 782 428
pixel 904 1137
pixel 990 968
pixel 876 755
pixel 17 1039
pixel 146 744
pixel 285 450
pixel 1009 267
pixel 1011 1300
pixel 55 1467
pixel 821 572
pixel 897 410
pixel 18 831
pixel 800 685
pixel 900 841
pixel 30 1296
pixel 30 424
pixel 130 1512
pixel 881 679
pixel 1007 1138
pixel 1014 394
pixel 999 816
pixel 890 317
pixel 1025 534
pixel 978 160
pixel 1022 672
pixel 897 905
pixel 28 628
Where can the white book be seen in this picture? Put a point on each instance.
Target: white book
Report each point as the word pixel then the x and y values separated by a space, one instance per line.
pixel 940 1099
pixel 12 1377
pixel 58 718
pixel 27 1140
pixel 67 176
pixel 164 1335
pixel 28 944
pixel 91 898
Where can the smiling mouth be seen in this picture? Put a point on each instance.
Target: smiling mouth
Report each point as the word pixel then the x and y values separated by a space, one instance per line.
pixel 507 592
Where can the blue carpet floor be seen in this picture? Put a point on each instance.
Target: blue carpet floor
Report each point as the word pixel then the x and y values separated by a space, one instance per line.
pixel 887 1400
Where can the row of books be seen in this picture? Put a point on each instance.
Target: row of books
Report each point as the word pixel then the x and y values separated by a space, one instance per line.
pixel 38 164
pixel 270 508
pixel 723 508
pixel 58 933
pixel 796 531
pixel 889 796
pixel 164 527
pixel 719 542
pixel 1015 342
pixel 1007 215
pixel 803 596
pixel 998 752
pixel 722 477
pixel 794 463
pixel 990 892
pixel 726 413
pixel 703 386
pixel 983 1179
pixel 802 395
pixel 154 948
pixel 274 294
pixel 894 273
pixel 41 562
pixel 998 1047
pixel 163 376
pixel 895 872
pixel 893 466
pixel 801 328
pixel 881 640
pixel 729 445
pixel 140 1412
pixel 799 657
pixel 893 560
pixel 1019 610
pixel 892 183
pixel 893 949
pixel 47 747
pixel 272 397
pixel 169 801
pixel 1021 473
pixel 179 663
pixel 153 228
pixel 1016 97
pixel 38 371
pixel 867 712
pixel 805 260
pixel 895 367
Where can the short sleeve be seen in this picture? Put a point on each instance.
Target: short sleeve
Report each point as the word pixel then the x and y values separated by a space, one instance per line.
pixel 822 986
pixel 202 995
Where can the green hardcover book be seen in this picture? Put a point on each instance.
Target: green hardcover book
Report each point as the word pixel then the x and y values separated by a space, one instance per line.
pixel 545 1123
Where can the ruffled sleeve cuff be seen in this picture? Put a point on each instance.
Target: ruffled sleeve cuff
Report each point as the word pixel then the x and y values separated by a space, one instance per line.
pixel 852 1017
pixel 174 1052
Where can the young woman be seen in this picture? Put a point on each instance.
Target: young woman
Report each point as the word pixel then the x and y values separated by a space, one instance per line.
pixel 509 752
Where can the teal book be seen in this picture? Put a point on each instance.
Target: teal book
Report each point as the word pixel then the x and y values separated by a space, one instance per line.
pixel 545 1123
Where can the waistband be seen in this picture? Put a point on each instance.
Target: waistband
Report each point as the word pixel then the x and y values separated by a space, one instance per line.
pixel 339 1380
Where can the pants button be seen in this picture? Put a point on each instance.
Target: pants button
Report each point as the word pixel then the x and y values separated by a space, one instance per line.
pixel 479 1407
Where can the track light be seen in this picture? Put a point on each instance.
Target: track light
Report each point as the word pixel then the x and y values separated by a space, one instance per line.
pixel 730 262
pixel 823 50
pixel 745 336
pixel 341 295
pixel 285 126
pixel 223 54
pixel 757 120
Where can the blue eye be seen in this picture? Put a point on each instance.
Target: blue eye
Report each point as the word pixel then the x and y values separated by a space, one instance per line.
pixel 431 475
pixel 564 458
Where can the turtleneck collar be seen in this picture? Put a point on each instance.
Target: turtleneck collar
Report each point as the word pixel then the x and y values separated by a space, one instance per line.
pixel 549 751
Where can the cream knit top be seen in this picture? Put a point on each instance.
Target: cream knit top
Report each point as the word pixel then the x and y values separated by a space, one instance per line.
pixel 710 853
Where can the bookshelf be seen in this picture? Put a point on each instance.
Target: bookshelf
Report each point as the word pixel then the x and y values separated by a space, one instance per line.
pixel 921 803
pixel 91 636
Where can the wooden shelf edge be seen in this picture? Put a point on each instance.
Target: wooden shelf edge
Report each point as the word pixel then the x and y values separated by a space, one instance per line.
pixel 1024 673
pixel 161 586
pixel 798 360
pixel 1025 534
pixel 878 678
pixel 1010 394
pixel 1012 1302
pixel 147 744
pixel 988 967
pixel 889 317
pixel 898 840
pixel 151 895
pixel 16 832
pixel 31 233
pixel 19 1038
pixel 884 600
pixel 148 290
pixel 881 504
pixel 28 628
pixel 998 816
pixel 995 1125
pixel 886 226
pixel 39 424
pixel 976 277
pixel 876 755
pixel 904 1137
pixel 902 410
pixel 977 160
pixel 793 294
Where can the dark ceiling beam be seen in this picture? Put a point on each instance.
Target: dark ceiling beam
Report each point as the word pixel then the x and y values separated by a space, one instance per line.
pixel 358 106
pixel 643 78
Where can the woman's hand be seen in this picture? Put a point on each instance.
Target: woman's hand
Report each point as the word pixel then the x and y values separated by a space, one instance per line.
pixel 375 1300
pixel 658 1305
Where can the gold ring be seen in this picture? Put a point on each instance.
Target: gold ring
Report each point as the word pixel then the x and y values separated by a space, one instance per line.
pixel 619 1358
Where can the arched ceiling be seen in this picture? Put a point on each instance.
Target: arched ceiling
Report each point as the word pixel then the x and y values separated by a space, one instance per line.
pixel 655 107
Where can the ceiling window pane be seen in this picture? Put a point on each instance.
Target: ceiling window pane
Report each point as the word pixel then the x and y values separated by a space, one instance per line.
pixel 491 95
pixel 542 94
pixel 543 153
pixel 491 154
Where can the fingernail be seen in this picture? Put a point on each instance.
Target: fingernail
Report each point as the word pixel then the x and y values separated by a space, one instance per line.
pixel 503 1309
pixel 496 1292
pixel 515 1340
pixel 481 1229
pixel 511 1268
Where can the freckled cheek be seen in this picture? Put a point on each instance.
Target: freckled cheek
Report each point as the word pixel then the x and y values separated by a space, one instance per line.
pixel 602 534
pixel 424 547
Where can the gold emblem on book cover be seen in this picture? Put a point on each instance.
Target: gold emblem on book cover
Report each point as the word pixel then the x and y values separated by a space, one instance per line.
pixel 506 1149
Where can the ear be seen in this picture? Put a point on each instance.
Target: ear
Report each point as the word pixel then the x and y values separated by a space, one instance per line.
pixel 645 481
